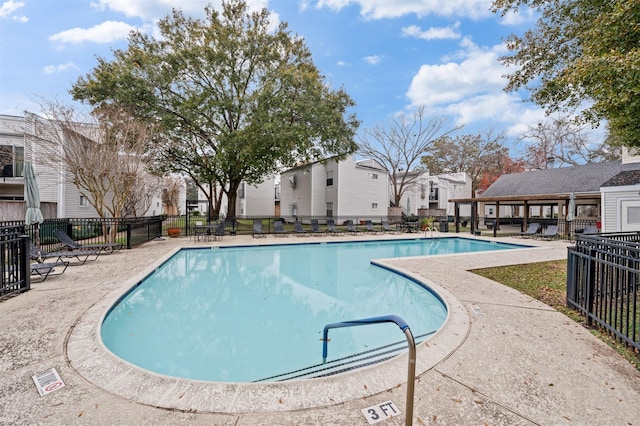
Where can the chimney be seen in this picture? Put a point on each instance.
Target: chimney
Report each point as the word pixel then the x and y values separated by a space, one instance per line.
pixel 551 162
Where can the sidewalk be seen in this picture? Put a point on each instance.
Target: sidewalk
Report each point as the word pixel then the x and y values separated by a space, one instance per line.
pixel 513 360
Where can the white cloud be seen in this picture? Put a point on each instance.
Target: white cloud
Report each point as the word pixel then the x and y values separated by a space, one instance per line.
pixel 54 69
pixel 8 7
pixel 151 10
pixel 522 16
pixel 478 72
pixel 23 19
pixel 373 59
pixel 433 33
pixel 342 63
pixel 380 9
pixel 105 32
pixel 471 90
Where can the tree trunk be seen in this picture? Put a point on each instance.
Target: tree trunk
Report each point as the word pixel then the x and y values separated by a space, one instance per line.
pixel 232 196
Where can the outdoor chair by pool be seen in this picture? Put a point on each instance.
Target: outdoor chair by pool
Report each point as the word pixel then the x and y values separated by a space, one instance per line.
pixel 74 245
pixel 331 227
pixel 46 269
pixel 315 227
pixel 278 229
pixel 387 228
pixel 257 229
pixel 218 232
pixel 298 229
pixel 351 228
pixel 82 256
pixel 532 229
pixel 199 231
pixel 370 228
pixel 550 233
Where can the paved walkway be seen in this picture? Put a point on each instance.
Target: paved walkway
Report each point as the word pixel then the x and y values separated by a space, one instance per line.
pixel 508 360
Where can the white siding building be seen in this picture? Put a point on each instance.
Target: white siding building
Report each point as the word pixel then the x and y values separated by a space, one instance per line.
pixel 59 196
pixel 251 200
pixel 621 198
pixel 435 191
pixel 345 190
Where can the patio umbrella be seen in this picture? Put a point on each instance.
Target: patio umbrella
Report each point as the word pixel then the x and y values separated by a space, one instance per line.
pixel 571 209
pixel 32 198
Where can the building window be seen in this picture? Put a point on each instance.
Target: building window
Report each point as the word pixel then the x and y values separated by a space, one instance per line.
pixel 633 215
pixel 374 176
pixel 11 160
pixel 330 178
pixel 83 201
pixel 374 206
pixel 329 209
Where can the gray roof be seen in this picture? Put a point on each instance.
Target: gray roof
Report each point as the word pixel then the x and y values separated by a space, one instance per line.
pixel 628 177
pixel 563 180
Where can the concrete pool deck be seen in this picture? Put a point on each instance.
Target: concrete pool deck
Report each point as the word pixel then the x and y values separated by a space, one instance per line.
pixel 508 359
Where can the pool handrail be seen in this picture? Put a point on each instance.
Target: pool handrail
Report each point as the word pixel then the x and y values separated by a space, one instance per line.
pixel 411 371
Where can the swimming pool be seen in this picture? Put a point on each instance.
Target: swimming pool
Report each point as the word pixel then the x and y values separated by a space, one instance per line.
pixel 250 313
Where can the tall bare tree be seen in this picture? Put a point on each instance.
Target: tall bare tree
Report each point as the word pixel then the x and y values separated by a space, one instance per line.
pixel 101 153
pixel 147 189
pixel 399 144
pixel 562 141
pixel 475 155
pixel 172 187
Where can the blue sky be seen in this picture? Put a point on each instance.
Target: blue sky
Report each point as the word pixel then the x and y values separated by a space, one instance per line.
pixel 390 55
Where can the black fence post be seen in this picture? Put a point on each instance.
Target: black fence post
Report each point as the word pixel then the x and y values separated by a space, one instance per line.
pixel 590 285
pixel 128 224
pixel 25 270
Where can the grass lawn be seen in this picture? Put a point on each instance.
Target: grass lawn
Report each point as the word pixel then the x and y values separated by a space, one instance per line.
pixel 547 281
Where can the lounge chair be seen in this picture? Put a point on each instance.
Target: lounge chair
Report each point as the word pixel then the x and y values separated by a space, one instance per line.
pixel 532 229
pixel 278 229
pixel 298 229
pixel 387 228
pixel 591 229
pixel 315 227
pixel 370 228
pixel 74 245
pixel 46 269
pixel 351 228
pixel 550 233
pixel 257 229
pixel 331 227
pixel 82 256
pixel 218 232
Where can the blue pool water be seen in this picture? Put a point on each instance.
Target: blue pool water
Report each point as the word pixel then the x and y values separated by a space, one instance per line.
pixel 241 314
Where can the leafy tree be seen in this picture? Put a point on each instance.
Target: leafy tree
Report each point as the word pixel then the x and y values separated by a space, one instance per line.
pixel 504 165
pixel 236 99
pixel 399 144
pixel 579 52
pixel 477 155
pixel 565 143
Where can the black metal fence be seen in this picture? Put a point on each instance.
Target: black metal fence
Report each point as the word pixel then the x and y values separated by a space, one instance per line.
pixel 603 283
pixel 128 232
pixel 14 261
pixel 244 225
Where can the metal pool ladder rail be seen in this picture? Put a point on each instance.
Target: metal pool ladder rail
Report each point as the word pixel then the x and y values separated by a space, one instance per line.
pixel 411 373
